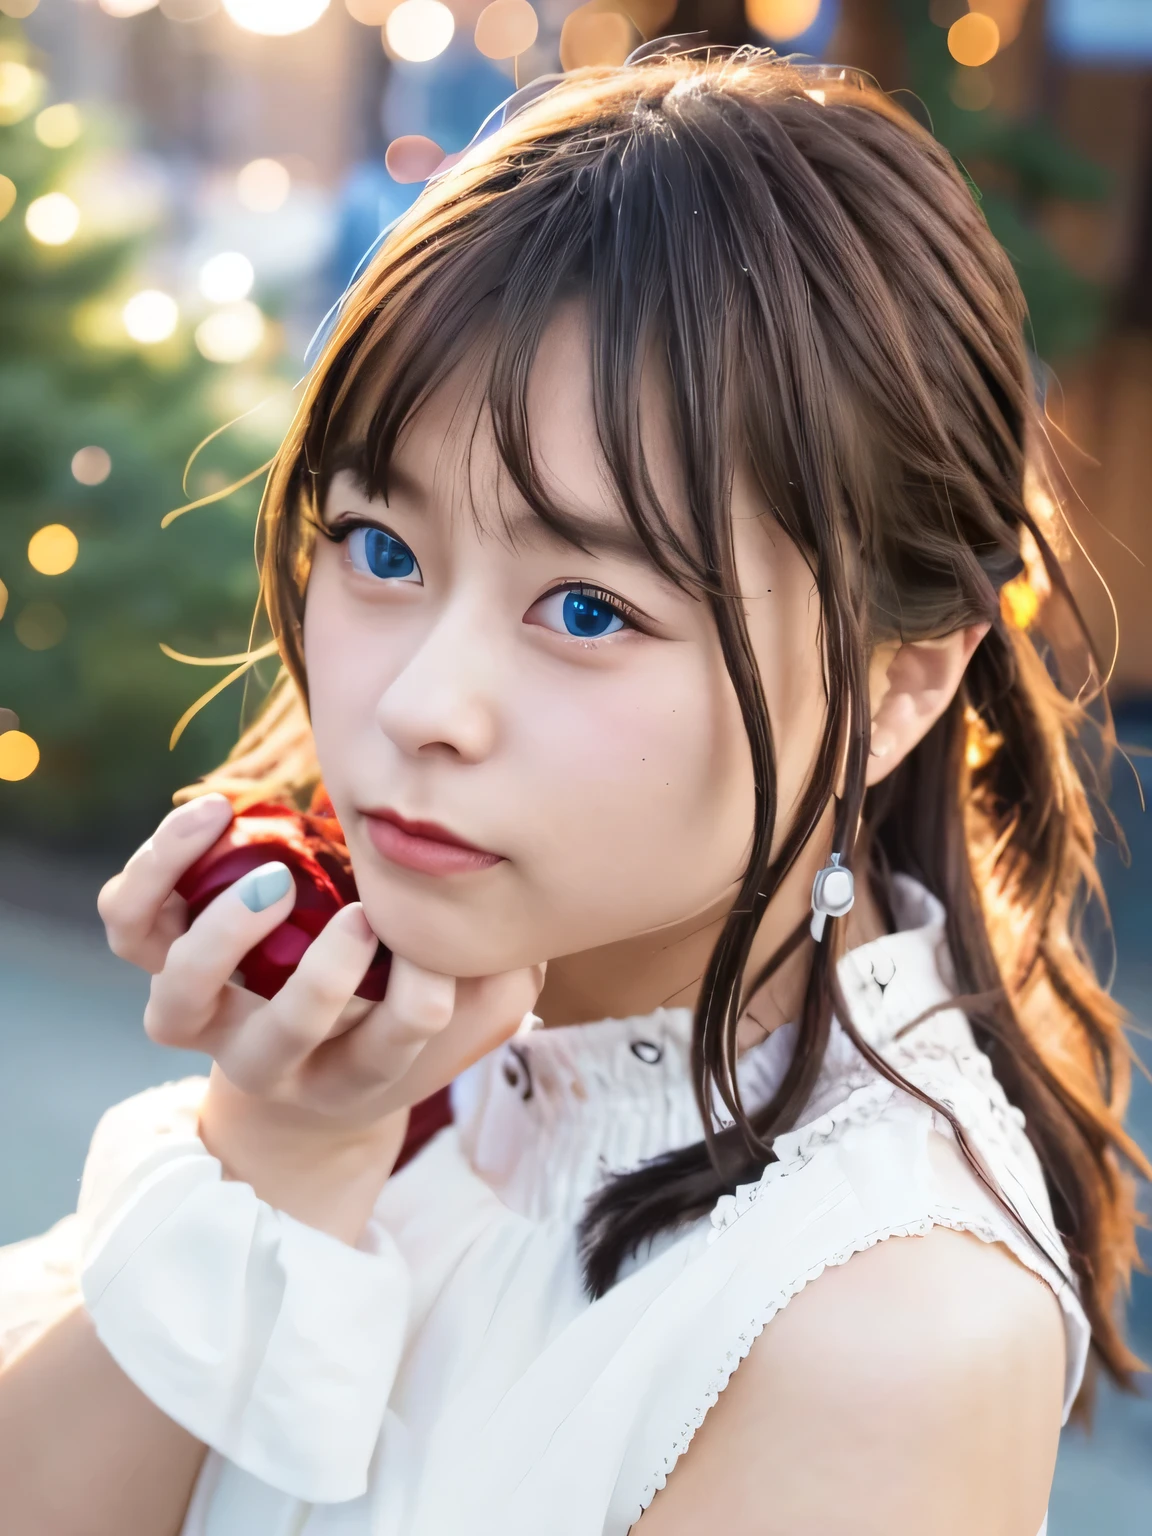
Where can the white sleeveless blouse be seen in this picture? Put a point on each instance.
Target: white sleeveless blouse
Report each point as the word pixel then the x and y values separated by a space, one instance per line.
pixel 450 1374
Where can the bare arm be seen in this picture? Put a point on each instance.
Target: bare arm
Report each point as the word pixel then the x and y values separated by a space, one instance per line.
pixel 914 1391
pixel 82 1452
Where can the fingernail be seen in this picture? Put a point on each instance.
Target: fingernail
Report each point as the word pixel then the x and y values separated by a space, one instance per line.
pixel 263 886
pixel 199 814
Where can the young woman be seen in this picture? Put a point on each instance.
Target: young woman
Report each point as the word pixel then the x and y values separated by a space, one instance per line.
pixel 638 561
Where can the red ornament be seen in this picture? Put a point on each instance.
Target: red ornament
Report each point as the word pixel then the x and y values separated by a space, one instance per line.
pixel 312 845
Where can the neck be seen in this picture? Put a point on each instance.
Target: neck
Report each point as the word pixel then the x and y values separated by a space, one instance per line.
pixel 665 968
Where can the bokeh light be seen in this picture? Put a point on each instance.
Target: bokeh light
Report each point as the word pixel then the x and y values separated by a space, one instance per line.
pixel 974 39
pixel 1019 602
pixel 263 185
pixel 651 16
pixel 594 37
pixel 971 89
pixel 1008 16
pixel 20 90
pixel 7 196
pixel 18 9
pixel 124 8
pixel 506 28
pixel 188 10
pixel 52 219
pixel 150 316
pixel 52 550
pixel 419 30
pixel 19 756
pixel 3 598
pixel 412 157
pixel 91 465
pixel 275 18
pixel 373 13
pixel 781 19
pixel 40 626
pixel 231 334
pixel 227 277
pixel 60 125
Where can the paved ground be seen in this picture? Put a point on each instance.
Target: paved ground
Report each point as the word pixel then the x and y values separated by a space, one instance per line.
pixel 71 1044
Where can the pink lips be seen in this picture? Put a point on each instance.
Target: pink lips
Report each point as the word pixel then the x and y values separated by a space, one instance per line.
pixel 425 847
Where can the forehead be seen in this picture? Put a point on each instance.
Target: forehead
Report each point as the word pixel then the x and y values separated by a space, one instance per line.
pixel 448 455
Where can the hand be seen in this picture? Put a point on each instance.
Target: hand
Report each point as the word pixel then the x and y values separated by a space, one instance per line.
pixel 314 1067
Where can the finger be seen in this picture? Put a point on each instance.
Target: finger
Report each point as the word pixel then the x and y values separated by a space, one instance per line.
pixel 417 1007
pixel 307 1009
pixel 489 1010
pixel 140 910
pixel 186 993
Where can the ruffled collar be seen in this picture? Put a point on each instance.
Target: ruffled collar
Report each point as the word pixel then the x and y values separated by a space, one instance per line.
pixel 545 1118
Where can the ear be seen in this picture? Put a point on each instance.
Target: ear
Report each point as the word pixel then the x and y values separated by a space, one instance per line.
pixel 911 687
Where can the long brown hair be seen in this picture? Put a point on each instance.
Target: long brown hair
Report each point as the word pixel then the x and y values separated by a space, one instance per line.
pixel 832 310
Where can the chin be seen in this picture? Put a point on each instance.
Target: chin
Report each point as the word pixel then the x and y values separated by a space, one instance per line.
pixel 456 944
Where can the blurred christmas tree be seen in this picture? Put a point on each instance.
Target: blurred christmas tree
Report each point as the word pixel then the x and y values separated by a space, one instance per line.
pixel 1018 164
pixel 103 395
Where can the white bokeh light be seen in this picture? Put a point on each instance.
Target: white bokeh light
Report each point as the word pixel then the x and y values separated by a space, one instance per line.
pixel 263 185
pixel 150 316
pixel 231 334
pixel 91 465
pixel 127 7
pixel 275 18
pixel 52 219
pixel 419 30
pixel 227 277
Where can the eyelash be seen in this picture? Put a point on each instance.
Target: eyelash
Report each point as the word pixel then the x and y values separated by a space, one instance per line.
pixel 336 533
pixel 599 595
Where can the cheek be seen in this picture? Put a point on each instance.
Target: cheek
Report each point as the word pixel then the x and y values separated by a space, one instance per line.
pixel 342 689
pixel 648 802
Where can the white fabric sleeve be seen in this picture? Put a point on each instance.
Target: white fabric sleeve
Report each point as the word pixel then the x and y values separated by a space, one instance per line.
pixel 269 1340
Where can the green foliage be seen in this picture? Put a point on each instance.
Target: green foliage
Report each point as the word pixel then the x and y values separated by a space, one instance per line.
pixel 102 702
pixel 1018 166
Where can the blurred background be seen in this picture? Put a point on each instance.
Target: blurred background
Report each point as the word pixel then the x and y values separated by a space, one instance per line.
pixel 186 186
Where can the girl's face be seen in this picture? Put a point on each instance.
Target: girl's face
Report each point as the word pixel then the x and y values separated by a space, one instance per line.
pixel 567 713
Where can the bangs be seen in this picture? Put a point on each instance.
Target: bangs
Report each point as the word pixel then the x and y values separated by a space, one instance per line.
pixel 649 225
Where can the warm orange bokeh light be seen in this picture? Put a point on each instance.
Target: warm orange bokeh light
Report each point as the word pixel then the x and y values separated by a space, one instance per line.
pixel 373 13
pixel 52 550
pixel 781 19
pixel 1019 602
pixel 3 599
pixel 592 36
pixel 19 755
pixel 506 28
pixel 1008 16
pixel 974 39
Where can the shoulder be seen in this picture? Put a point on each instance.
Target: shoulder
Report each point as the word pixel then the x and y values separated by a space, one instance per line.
pixel 914 1389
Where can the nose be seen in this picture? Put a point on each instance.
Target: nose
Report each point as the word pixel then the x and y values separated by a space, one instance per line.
pixel 443 701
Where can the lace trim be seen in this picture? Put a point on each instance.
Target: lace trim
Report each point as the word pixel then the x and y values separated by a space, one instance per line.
pixel 953 1217
pixel 959 1081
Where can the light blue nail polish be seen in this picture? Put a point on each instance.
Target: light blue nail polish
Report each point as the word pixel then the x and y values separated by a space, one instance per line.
pixel 263 886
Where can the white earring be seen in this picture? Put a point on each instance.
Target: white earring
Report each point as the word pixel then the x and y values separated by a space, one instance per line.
pixel 833 892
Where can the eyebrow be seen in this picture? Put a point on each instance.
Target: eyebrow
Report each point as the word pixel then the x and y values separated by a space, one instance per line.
pixel 591 534
pixel 580 533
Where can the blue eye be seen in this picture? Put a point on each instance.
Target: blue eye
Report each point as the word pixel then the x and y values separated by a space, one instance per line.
pixel 376 553
pixel 580 613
